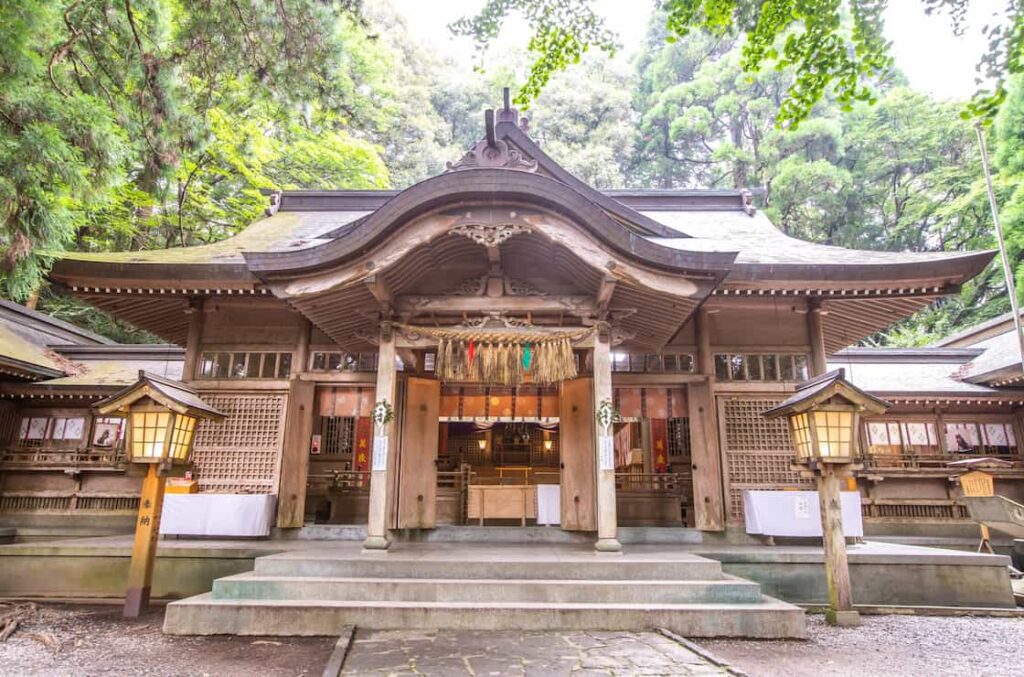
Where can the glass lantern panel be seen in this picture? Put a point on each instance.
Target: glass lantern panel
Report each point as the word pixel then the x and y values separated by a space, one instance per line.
pixel 835 432
pixel 181 437
pixel 801 429
pixel 149 432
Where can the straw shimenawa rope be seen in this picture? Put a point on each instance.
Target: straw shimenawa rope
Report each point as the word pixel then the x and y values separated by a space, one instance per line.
pixel 499 356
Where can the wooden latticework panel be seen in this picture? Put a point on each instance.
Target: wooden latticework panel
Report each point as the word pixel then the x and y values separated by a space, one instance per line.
pixel 242 453
pixel 758 452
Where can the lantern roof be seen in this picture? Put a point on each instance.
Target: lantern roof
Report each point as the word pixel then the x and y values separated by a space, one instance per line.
pixel 174 395
pixel 827 388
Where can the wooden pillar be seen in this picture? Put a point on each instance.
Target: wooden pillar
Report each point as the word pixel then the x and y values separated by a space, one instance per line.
pixel 837 568
pixel 147 531
pixel 706 459
pixel 816 337
pixel 298 431
pixel 376 527
pixel 193 345
pixel 607 520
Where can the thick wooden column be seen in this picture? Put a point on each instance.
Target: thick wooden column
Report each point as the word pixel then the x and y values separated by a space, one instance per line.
pixel 376 526
pixel 298 431
pixel 607 521
pixel 706 460
pixel 816 337
pixel 147 532
pixel 193 345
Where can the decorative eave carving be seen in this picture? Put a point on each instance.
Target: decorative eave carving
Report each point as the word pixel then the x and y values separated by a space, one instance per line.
pixel 499 155
pixel 490 235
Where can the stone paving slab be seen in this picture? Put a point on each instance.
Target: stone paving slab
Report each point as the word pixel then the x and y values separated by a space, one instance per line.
pixel 530 654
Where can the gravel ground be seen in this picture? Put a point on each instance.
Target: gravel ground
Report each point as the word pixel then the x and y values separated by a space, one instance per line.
pixel 894 646
pixel 95 640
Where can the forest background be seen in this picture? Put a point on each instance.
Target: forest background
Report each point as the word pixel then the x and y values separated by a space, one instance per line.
pixel 146 124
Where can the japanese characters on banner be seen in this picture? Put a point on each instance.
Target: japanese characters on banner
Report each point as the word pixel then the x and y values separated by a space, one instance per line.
pixel 364 436
pixel 659 444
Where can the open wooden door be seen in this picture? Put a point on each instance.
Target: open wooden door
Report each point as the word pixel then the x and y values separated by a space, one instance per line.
pixel 576 446
pixel 417 486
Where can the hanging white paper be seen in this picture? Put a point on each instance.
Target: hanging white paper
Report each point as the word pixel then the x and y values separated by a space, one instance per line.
pixel 606 452
pixel 380 452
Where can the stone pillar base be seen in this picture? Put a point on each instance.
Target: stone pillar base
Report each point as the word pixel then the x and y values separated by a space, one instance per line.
pixel 608 546
pixel 842 619
pixel 376 545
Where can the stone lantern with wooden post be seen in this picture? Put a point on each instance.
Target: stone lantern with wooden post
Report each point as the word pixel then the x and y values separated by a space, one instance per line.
pixel 162 415
pixel 824 418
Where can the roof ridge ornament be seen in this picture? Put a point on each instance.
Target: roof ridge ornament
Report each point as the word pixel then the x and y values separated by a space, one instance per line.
pixel 494 153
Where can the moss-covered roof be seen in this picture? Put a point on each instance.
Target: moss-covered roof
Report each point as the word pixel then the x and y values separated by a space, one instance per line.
pixel 15 348
pixel 284 231
pixel 117 373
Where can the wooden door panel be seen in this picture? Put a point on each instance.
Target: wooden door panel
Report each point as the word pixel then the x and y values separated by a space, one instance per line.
pixel 417 490
pixel 576 446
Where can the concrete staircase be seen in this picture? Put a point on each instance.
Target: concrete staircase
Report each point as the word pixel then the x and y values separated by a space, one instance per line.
pixel 484 587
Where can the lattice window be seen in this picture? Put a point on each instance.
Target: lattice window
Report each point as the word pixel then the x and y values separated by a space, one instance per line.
pixel 242 453
pixel 337 435
pixel 758 452
pixel 679 439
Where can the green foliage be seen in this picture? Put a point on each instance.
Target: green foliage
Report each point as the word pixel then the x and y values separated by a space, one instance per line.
pixel 827 53
pixel 134 124
pixel 563 31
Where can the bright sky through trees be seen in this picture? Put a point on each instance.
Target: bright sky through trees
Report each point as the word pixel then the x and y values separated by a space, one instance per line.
pixel 935 61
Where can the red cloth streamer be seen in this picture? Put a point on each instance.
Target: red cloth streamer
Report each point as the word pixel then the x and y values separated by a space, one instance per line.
pixel 364 434
pixel 471 352
pixel 659 444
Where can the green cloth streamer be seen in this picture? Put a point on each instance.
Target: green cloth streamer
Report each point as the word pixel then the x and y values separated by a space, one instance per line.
pixel 527 357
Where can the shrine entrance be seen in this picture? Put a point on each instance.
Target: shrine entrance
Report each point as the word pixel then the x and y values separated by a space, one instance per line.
pixel 483 455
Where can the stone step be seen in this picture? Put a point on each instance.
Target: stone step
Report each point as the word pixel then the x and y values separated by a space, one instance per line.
pixel 254 586
pixel 325 564
pixel 204 615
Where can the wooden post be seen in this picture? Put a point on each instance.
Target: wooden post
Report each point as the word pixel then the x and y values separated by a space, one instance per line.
pixel 376 526
pixel 837 568
pixel 298 431
pixel 147 531
pixel 607 520
pixel 816 337
pixel 193 345
pixel 706 459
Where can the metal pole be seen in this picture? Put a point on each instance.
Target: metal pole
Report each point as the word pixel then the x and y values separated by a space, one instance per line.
pixel 1011 288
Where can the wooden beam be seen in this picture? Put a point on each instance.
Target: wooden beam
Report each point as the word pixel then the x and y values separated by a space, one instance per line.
pixel 604 295
pixel 422 305
pixel 380 291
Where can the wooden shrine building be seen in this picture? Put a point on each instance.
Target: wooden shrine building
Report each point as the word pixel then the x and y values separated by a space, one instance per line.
pixel 446 354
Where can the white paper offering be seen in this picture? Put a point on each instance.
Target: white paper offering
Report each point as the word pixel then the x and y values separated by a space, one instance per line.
pixel 380 453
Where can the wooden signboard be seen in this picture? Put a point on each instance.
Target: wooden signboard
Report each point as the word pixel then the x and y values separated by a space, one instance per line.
pixel 576 446
pixel 417 492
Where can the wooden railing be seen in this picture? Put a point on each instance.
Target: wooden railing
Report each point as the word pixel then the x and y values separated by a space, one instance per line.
pixel 668 483
pixel 903 510
pixel 57 457
pixel 339 479
pixel 929 461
